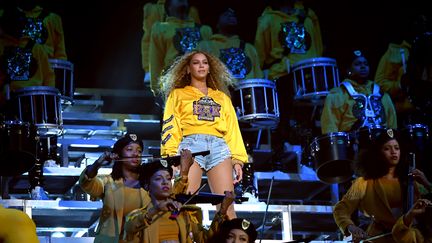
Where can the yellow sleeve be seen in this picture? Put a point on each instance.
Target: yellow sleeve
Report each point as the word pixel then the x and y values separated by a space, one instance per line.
pixel 389 86
pixel 171 131
pixel 58 36
pixel 251 52
pixel 402 233
pixel 151 15
pixel 16 226
pixel 206 32
pixel 157 54
pixel 234 138
pixel 48 75
pixel 201 234
pixel 317 33
pixel 389 111
pixel 194 15
pixel 135 221
pixel 263 41
pixel 348 204
pixel 331 114
pixel 93 186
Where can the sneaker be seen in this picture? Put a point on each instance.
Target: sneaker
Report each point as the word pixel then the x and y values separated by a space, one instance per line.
pixel 38 193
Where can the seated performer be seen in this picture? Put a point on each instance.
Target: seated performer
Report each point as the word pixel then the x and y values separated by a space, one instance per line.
pixel 121 191
pixel 357 102
pixel 165 220
pixel 380 192
pixel 236 230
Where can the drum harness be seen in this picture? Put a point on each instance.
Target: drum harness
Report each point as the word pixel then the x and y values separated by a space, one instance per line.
pixel 371 113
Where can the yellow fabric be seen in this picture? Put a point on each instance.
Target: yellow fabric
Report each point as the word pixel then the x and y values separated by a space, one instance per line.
pixel 152 13
pixel 180 121
pixel 189 223
pixel 270 51
pixel 218 42
pixel 55 43
pixel 162 49
pixel 389 74
pixel 393 193
pixel 168 228
pixel 390 68
pixel 373 203
pixel 404 234
pixel 44 75
pixel 16 227
pixel 337 113
pixel 113 196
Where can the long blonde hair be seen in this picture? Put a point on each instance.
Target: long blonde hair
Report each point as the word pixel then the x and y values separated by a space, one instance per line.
pixel 219 77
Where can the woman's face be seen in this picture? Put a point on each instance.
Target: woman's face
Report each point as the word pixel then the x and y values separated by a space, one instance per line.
pixel 160 184
pixel 198 67
pixel 132 152
pixel 391 152
pixel 359 68
pixel 237 236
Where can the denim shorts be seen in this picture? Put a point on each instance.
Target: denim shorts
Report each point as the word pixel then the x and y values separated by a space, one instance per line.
pixel 219 150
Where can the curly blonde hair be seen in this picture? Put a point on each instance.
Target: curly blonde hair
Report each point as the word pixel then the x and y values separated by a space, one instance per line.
pixel 219 77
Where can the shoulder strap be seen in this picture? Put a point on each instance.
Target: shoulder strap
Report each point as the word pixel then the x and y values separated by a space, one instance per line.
pixel 349 88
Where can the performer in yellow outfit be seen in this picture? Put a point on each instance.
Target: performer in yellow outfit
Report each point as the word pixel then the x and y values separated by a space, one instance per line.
pixel 16 227
pixel 177 35
pixel 378 193
pixel 44 28
pixel 164 220
pixel 121 191
pixel 24 63
pixel 358 102
pixel 392 65
pixel 199 116
pixel 286 33
pixel 240 57
pixel 153 12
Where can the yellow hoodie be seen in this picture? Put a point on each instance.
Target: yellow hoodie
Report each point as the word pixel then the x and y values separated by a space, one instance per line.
pixel 337 114
pixel 181 119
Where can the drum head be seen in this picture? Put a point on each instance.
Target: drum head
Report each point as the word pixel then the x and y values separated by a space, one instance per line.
pixel 16 162
pixel 336 171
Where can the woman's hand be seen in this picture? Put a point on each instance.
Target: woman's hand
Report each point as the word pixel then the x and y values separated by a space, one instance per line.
pixel 168 205
pixel 227 201
pixel 357 233
pixel 106 157
pixel 238 173
pixel 420 177
pixel 186 161
pixel 92 170
pixel 419 207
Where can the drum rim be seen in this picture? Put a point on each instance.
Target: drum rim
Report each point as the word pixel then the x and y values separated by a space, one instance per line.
pixel 36 90
pixel 247 83
pixel 59 61
pixel 332 134
pixel 324 60
pixel 416 125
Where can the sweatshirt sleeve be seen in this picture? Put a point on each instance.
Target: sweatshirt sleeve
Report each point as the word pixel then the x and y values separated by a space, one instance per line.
pixel 171 131
pixel 234 138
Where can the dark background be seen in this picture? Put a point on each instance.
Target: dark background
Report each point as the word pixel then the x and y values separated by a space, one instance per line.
pixel 103 37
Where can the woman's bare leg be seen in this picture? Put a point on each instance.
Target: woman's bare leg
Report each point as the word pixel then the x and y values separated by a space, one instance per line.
pixel 194 177
pixel 220 180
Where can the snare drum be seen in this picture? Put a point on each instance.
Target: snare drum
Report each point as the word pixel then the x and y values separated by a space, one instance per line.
pixel 18 147
pixel 334 154
pixel 315 77
pixel 256 102
pixel 40 106
pixel 64 76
